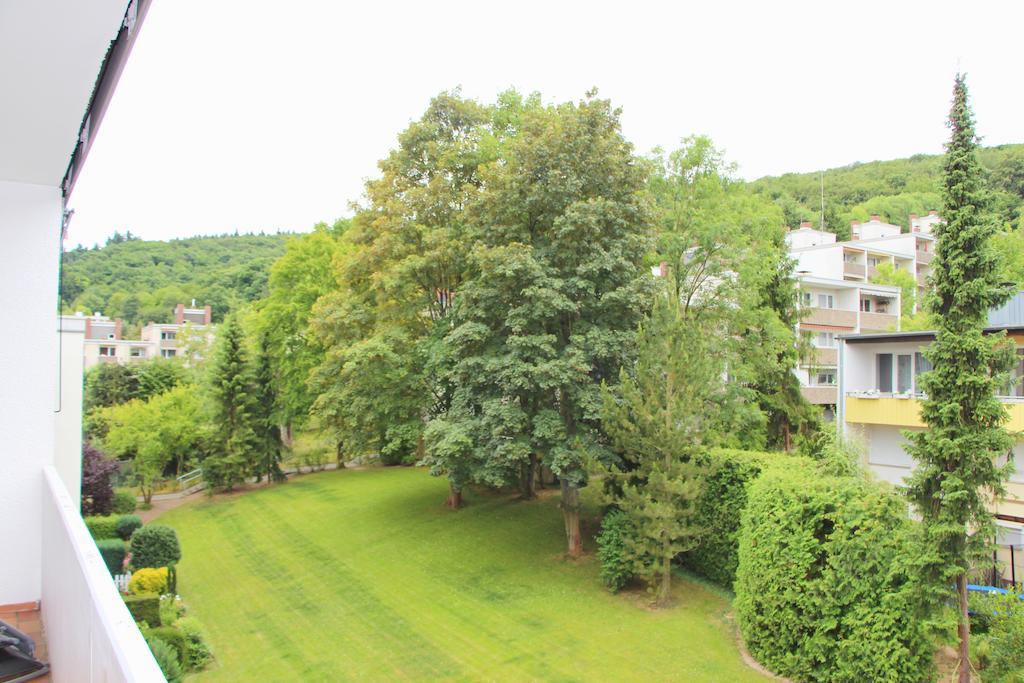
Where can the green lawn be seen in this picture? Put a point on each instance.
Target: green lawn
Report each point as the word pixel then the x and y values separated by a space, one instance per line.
pixel 364 575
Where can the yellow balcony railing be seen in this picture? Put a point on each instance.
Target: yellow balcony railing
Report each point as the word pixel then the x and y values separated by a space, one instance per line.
pixel 906 412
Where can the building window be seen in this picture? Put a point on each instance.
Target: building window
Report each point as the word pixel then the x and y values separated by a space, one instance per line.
pixel 826 301
pixel 167 335
pixel 135 352
pixel 805 298
pixel 168 353
pixel 826 340
pixel 850 258
pixel 904 375
pixel 108 351
pixel 873 261
pixel 826 377
pixel 921 365
pixel 884 364
pixel 865 305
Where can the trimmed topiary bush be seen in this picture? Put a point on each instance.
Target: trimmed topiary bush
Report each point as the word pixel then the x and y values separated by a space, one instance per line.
pixel 616 567
pixel 144 607
pixel 102 527
pixel 197 650
pixel 167 658
pixel 148 580
pixel 126 526
pixel 824 587
pixel 124 502
pixel 155 545
pixel 112 550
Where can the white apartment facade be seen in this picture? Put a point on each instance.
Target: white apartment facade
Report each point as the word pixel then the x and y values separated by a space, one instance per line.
pixel 837 296
pixel 104 344
pixel 62 60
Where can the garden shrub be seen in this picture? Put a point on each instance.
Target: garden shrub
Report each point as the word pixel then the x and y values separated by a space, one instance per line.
pixel 124 502
pixel 998 649
pixel 155 545
pixel 126 526
pixel 112 550
pixel 102 526
pixel 197 650
pixel 616 566
pixel 171 636
pixel 97 490
pixel 824 586
pixel 167 659
pixel 148 580
pixel 171 607
pixel 144 607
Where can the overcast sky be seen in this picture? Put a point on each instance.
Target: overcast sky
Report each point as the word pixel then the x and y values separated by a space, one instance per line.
pixel 254 115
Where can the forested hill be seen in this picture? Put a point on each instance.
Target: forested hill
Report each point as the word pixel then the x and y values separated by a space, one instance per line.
pixel 140 280
pixel 893 189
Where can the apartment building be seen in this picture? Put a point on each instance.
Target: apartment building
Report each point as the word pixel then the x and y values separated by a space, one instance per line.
pixel 104 344
pixel 837 296
pixel 881 397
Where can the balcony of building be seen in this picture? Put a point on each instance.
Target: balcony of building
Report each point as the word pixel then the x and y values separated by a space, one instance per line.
pixel 820 395
pixel 878 322
pixel 904 410
pixel 835 317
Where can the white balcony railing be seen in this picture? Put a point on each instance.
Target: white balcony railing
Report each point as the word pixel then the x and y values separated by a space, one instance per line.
pixel 90 635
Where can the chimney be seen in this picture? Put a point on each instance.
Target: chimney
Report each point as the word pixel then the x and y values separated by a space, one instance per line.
pixel 117 329
pixel 913 216
pixel 933 212
pixel 663 269
pixel 88 327
pixel 179 314
pixel 207 314
pixel 805 224
pixel 875 218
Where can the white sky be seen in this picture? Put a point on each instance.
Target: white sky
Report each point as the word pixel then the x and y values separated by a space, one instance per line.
pixel 270 115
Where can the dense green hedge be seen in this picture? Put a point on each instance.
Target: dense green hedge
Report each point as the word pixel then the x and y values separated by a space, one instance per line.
pixel 823 588
pixel 126 526
pixel 112 550
pixel 124 502
pixel 144 607
pixel 721 506
pixel 102 526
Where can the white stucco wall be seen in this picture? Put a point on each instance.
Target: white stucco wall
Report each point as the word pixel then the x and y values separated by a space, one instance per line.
pixel 68 419
pixel 30 224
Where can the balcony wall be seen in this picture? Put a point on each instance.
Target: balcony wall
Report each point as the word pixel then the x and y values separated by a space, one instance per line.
pixel 825 356
pixel 925 257
pixel 854 269
pixel 877 322
pixel 831 316
pixel 820 395
pixel 906 412
pixel 90 634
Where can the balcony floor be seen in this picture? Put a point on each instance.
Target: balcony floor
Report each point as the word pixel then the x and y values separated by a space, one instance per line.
pixel 29 621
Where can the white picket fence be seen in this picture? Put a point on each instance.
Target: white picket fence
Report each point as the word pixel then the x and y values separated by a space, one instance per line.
pixel 121 581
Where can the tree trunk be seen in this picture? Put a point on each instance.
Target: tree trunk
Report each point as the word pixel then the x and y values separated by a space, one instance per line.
pixel 454 496
pixel 286 436
pixel 339 454
pixel 571 514
pixel 665 589
pixel 529 478
pixel 964 630
pixel 786 436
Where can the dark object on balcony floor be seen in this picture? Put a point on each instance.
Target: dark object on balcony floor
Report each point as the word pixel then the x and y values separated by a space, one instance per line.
pixel 17 656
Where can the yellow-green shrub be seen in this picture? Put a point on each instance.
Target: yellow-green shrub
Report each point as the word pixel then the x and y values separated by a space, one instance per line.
pixel 149 580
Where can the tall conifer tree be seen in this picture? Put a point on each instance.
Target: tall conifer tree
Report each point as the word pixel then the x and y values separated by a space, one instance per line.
pixel 957 472
pixel 231 387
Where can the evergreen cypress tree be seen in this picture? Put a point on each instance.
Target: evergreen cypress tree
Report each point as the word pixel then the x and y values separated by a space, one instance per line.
pixel 957 472
pixel 231 387
pixel 660 422
pixel 268 433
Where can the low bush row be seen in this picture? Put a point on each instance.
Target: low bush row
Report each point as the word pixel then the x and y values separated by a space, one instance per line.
pixel 113 526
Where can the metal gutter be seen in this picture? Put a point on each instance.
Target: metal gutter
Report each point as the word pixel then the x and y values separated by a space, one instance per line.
pixel 103 90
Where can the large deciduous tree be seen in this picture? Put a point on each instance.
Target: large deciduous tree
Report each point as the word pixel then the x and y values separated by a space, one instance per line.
pixel 551 307
pixel 958 473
